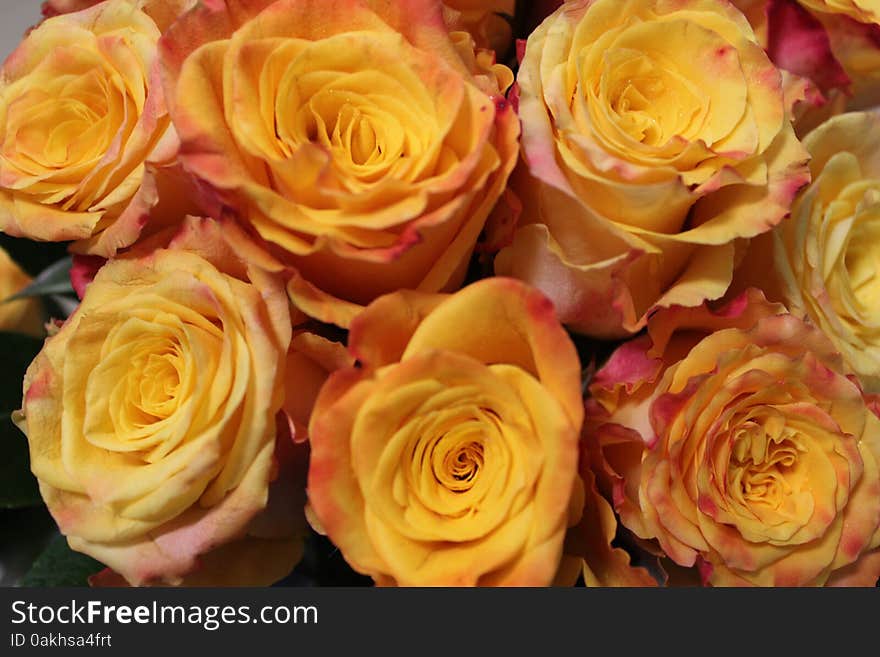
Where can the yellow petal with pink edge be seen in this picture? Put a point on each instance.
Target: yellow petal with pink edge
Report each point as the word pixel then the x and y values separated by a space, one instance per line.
pixel 524 329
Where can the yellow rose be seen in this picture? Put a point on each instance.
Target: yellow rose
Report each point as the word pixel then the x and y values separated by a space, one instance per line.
pixel 349 136
pixel 655 136
pixel 86 147
pixel 740 442
pixel 24 315
pixel 152 418
pixel 449 456
pixel 823 262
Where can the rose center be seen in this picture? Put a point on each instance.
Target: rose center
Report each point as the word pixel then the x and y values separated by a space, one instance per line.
pixel 651 103
pixel 158 384
pixel 60 126
pixel 360 137
pixel 148 394
pixel 459 467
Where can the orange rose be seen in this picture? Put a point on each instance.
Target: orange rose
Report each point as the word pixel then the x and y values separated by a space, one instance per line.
pixel 350 136
pixel 449 456
pixel 740 442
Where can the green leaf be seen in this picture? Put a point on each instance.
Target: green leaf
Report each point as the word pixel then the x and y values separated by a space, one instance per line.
pixel 18 487
pixel 58 565
pixel 55 279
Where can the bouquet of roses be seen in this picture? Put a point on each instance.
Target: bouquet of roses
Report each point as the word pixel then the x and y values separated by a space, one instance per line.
pixel 472 292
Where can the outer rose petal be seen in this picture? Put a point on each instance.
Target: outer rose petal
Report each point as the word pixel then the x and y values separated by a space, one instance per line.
pixel 525 332
pixel 169 556
pixel 380 334
pixel 271 545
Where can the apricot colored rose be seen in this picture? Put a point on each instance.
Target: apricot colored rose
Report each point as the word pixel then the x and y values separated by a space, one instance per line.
pixel 349 135
pixel 86 145
pixel 655 139
pixel 152 418
pixel 740 442
pixel 449 455
pixel 24 315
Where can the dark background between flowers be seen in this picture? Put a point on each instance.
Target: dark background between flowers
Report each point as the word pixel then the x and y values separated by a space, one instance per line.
pixel 32 552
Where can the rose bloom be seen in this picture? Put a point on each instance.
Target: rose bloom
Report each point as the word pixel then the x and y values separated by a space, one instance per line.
pixel 864 11
pixel 353 139
pixel 823 262
pixel 739 440
pixel 86 145
pixel 152 418
pixel 449 455
pixel 655 137
pixel 24 315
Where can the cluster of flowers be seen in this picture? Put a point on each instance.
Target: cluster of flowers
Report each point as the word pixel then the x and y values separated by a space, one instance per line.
pixel 279 209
